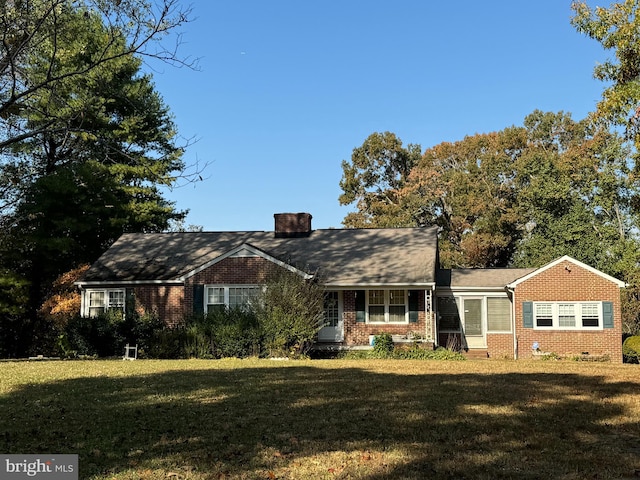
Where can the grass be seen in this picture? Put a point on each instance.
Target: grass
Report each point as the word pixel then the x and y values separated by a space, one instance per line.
pixel 369 419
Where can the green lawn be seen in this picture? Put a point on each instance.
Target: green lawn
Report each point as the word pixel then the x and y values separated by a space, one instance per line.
pixel 373 419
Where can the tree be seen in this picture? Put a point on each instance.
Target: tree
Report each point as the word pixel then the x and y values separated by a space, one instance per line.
pixel 69 39
pixel 378 169
pixel 617 29
pixel 467 189
pixel 523 195
pixel 573 193
pixel 85 140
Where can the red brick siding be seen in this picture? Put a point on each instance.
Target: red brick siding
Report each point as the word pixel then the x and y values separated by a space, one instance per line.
pixel 230 271
pixel 356 333
pixel 162 300
pixel 500 345
pixel 574 284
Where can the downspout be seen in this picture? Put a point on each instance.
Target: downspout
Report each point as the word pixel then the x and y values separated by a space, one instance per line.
pixel 511 293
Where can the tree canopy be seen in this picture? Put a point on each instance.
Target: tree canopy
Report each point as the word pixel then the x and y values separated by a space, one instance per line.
pixel 86 142
pixel 521 196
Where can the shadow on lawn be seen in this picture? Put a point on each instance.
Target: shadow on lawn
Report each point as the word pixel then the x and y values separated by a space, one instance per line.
pixel 253 421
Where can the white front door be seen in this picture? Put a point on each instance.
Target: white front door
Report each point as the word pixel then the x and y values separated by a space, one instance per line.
pixel 472 323
pixel 333 327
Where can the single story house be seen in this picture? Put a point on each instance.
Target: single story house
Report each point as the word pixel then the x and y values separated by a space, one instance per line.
pixel 376 281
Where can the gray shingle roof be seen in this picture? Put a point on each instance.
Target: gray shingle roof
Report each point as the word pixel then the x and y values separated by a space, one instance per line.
pixel 480 277
pixel 404 256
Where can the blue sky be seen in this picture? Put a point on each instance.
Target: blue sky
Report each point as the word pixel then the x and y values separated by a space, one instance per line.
pixel 287 89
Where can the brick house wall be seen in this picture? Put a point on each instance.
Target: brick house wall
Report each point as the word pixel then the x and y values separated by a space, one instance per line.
pixel 500 345
pixel 230 271
pixel 357 333
pixel 569 282
pixel 165 301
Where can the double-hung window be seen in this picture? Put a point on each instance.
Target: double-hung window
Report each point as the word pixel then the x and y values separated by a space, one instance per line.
pixel 236 296
pixel 387 306
pixel 567 315
pixel 100 302
pixel 498 314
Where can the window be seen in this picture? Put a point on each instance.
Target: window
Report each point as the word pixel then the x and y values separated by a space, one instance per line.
pixel 215 299
pixel 544 315
pixel 498 315
pixel 590 315
pixel 387 306
pixel 221 297
pixel 568 316
pixel 103 301
pixel 331 313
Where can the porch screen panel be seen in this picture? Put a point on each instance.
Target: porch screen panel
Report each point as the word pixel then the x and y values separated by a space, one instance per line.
pixel 448 315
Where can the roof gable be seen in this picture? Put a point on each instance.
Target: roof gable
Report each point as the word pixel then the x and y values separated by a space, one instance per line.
pixel 246 250
pixel 569 259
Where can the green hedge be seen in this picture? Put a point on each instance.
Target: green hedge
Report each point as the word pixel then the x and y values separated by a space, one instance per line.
pixel 631 349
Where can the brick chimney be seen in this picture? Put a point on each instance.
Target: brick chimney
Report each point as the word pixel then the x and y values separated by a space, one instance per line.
pixel 292 225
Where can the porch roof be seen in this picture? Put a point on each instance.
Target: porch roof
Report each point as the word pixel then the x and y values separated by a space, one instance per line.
pixel 479 277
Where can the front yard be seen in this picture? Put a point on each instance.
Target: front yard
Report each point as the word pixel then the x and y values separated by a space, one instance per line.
pixel 373 419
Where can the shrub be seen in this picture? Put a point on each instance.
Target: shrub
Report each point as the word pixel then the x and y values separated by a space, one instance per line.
pixel 100 335
pixel 167 343
pixel 383 345
pixel 631 349
pixel 106 335
pixel 289 311
pixel 417 353
pixel 235 333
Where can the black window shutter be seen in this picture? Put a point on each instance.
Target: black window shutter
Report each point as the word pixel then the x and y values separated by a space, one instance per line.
pixel 527 314
pixel 414 303
pixel 360 306
pixel 198 299
pixel 129 303
pixel 607 314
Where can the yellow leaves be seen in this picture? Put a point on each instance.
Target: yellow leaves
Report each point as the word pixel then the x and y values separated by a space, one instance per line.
pixel 65 299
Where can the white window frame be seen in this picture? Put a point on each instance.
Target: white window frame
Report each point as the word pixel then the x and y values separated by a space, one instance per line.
pixel 226 294
pixel 387 305
pixel 558 307
pixel 108 302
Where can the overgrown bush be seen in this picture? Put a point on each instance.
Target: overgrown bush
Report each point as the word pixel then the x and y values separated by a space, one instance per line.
pixel 106 335
pixel 417 353
pixel 220 333
pixel 290 311
pixel 631 349
pixel 383 345
pixel 413 353
pixel 236 333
